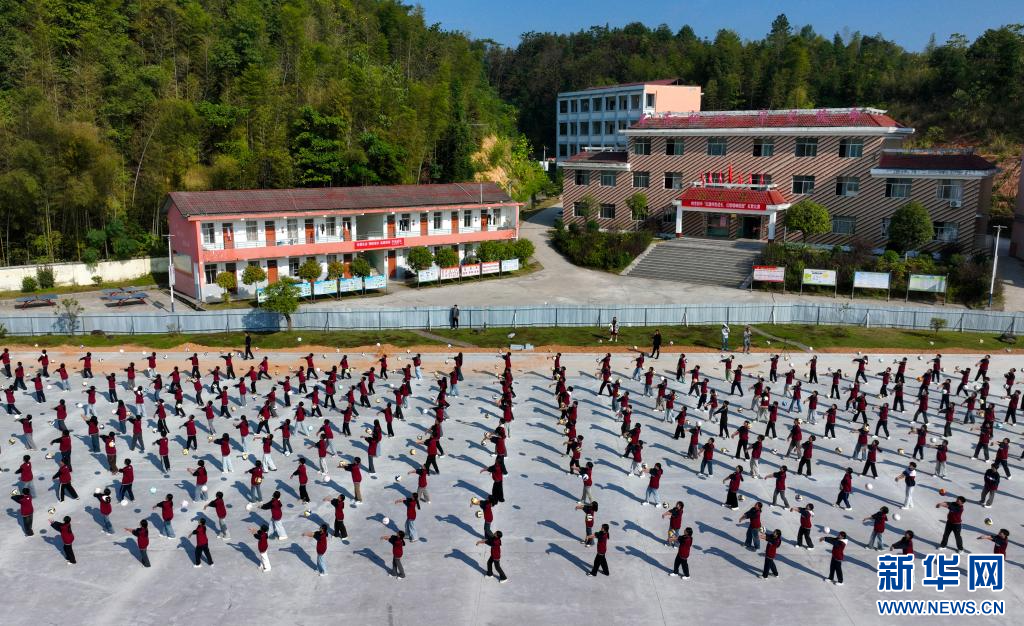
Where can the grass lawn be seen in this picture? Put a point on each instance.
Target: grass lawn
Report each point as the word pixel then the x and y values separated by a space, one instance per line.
pixel 678 337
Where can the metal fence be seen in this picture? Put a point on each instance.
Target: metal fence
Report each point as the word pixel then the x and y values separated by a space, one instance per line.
pixel 30 323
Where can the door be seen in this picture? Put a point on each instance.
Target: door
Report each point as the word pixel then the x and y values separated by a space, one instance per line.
pixel 392 263
pixel 347 262
pixel 391 226
pixel 483 220
pixel 271 271
pixel 750 228
pixel 271 234
pixel 717 226
pixel 424 224
pixel 455 222
pixel 229 236
pixel 310 231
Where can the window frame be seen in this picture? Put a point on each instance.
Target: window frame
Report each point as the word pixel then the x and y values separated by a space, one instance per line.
pixel 644 176
pixel 717 141
pixel 764 145
pixel 642 146
pixel 851 145
pixel 209 230
pixel 893 183
pixel 583 175
pixel 614 179
pixel 843 186
pixel 677 180
pixel 805 147
pixel 947 227
pixel 252 230
pixel 950 184
pixel 851 220
pixel 806 180
pixel 678 143
pixel 601 211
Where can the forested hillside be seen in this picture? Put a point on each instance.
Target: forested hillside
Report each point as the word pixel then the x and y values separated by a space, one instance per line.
pixel 105 105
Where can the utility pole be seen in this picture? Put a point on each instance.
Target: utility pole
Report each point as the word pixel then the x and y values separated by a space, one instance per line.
pixel 995 262
pixel 170 270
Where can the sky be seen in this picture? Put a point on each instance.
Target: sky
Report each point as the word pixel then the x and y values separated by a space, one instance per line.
pixel 909 23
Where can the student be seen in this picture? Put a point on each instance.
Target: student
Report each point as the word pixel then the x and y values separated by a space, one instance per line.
pixel 411 503
pixel 905 543
pixel 878 521
pixel 753 517
pixel 320 536
pixel 202 544
pixel 276 509
pixel 909 478
pixel 262 546
pixel 772 542
pixel 494 561
pixel 990 487
pixel 339 517
pixel 1000 541
pixel 683 555
pixel 845 489
pixel 67 538
pixel 731 494
pixel 25 510
pixel 141 535
pixel 222 514
pixel 780 485
pixel 397 542
pixel 954 522
pixel 105 510
pixel 804 534
pixel 835 568
pixel 166 507
pixel 600 559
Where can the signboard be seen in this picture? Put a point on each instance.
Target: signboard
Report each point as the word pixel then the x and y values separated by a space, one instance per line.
pixel 724 206
pixel 926 282
pixel 379 281
pixel 346 285
pixel 826 278
pixel 449 272
pixel 490 267
pixel 373 244
pixel 871 280
pixel 325 287
pixel 471 270
pixel 428 275
pixel 510 265
pixel 769 273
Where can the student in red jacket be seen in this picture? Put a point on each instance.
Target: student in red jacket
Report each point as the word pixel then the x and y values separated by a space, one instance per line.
pixel 600 559
pixel 397 542
pixel 339 517
pixel 222 515
pixel 166 507
pixel 683 554
pixel 320 536
pixel 141 535
pixel 772 542
pixel 202 544
pixel 494 561
pixel 25 510
pixel 105 510
pixel 835 568
pixel 262 537
pixel 63 478
pixel 67 538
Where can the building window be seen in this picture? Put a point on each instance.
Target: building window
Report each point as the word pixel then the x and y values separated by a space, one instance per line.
pixel 761 180
pixel 292 227
pixel 764 147
pixel 563 150
pixel 209 236
pixel 577 209
pixel 622 124
pixel 843 225
pixel 634 101
pixel 405 222
pixel 806 147
pixel 293 266
pixel 947 232
pixel 331 226
pixel 951 190
pixel 582 177
pixel 803 184
pixel 467 219
pixel 609 128
pixel 584 128
pixel 573 106
pixel 562 128
pixel 585 105
pixel 437 220
pixel 496 217
pixel 597 104
pixel 623 103
pixel 331 258
pixel 673 180
pixel 885 227
pixel 716 146
pixel 897 187
pixel 563 106
pixel 674 147
pixel 252 231
pixel 572 128
pixel 609 103
pixel 650 100
pixel 211 273
pixel 641 179
pixel 607 211
pixel 851 148
pixel 642 146
pixel 847 186
pixel 608 179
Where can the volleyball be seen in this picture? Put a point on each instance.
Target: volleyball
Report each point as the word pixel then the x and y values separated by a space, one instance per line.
pixel 479 513
pixel 988 521
pixel 869 486
pixel 385 520
pixel 826 530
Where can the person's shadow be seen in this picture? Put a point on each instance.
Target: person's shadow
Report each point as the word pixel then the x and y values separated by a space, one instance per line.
pixel 301 553
pixel 374 558
pixel 465 558
pixel 568 556
pixel 131 547
pixel 186 545
pixel 558 529
pixel 456 521
pixel 246 551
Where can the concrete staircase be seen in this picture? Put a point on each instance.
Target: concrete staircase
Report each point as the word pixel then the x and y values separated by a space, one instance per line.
pixel 702 261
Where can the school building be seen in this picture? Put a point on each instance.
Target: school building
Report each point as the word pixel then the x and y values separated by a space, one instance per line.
pixel 733 174
pixel 279 229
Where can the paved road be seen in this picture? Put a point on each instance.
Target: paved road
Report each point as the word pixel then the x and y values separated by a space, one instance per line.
pixel 542 550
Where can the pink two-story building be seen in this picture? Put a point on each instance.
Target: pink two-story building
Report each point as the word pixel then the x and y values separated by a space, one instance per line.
pixel 279 229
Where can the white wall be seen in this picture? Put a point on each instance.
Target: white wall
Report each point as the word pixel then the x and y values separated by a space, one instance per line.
pixel 79 274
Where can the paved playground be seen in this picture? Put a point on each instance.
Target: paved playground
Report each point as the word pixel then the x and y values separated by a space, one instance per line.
pixel 542 550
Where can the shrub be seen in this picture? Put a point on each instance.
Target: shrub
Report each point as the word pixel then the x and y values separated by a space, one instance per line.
pixel 521 249
pixel 361 267
pixel 228 282
pixel 29 284
pixel 910 228
pixel 418 259
pixel 446 257
pixel 45 277
pixel 253 274
pixel 282 297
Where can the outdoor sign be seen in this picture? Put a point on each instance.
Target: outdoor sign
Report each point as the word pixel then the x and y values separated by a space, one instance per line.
pixel 926 282
pixel 769 273
pixel 379 281
pixel 428 275
pixel 325 287
pixel 724 206
pixel 825 278
pixel 346 285
pixel 449 272
pixel 871 280
pixel 510 265
pixel 490 267
pixel 471 270
pixel 373 244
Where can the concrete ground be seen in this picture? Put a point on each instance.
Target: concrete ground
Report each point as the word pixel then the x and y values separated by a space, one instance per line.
pixel 542 551
pixel 159 301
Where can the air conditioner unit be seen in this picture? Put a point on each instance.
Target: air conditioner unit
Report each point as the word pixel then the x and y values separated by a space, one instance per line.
pixel 955 203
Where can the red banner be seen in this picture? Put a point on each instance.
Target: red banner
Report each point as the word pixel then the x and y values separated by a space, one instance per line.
pixel 715 204
pixel 371 244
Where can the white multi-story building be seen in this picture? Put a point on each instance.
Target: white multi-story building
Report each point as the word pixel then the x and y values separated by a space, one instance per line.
pixel 593 117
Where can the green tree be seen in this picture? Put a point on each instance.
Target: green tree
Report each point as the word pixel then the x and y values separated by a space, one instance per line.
pixel 361 267
pixel 638 206
pixel 419 258
pixel 309 271
pixel 522 249
pixel 228 282
pixel 910 227
pixel 808 218
pixel 317 149
pixel 492 251
pixel 335 272
pixel 446 257
pixel 252 275
pixel 282 297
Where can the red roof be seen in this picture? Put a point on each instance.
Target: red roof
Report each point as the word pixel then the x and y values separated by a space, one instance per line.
pixel 660 81
pixel 741 198
pixel 333 198
pixel 810 118
pixel 933 161
pixel 604 156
